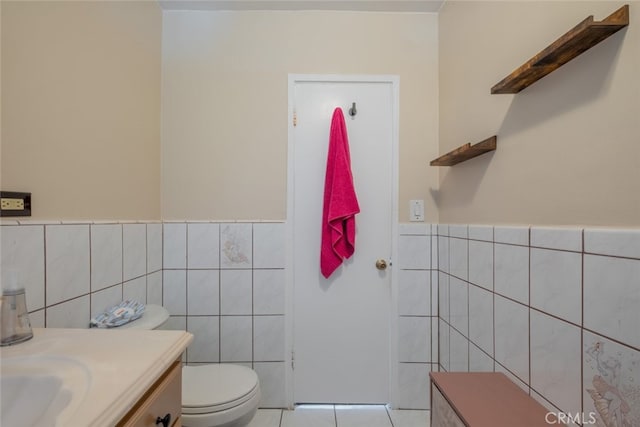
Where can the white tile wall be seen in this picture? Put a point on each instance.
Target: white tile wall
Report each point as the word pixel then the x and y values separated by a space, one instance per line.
pixel 459 258
pixel 555 348
pixel 245 323
pixel 565 239
pixel 414 339
pixel 414 292
pixel 481 264
pixel 106 255
pixel 272 383
pixel 444 345
pixel 414 252
pixel 154 247
pixel 512 336
pixel 205 345
pixel 560 320
pixel 236 343
pixel 481 232
pixel 417 327
pixel 457 230
pixel 268 291
pixel 459 306
pixel 268 338
pixel 69 314
pixel 268 245
pixel 67 262
pixel 512 272
pixel 443 295
pixel 511 235
pixel 479 361
pixel 443 254
pixel 134 250
pixel 203 245
pixel 612 297
pixel 174 250
pixel 135 289
pixel 154 288
pixel 458 352
pixel 413 385
pixel 621 243
pixel 174 292
pixel 481 318
pixel 235 292
pixel 203 292
pixel 22 261
pixel 556 283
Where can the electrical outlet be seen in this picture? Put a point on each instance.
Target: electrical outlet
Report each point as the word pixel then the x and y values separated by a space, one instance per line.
pixel 11 204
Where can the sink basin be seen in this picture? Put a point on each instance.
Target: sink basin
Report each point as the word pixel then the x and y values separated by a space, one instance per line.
pixel 41 391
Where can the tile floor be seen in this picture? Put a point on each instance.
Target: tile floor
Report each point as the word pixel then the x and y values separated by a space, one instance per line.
pixel 340 416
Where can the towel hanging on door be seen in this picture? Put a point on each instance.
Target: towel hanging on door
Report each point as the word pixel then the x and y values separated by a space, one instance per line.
pixel 340 201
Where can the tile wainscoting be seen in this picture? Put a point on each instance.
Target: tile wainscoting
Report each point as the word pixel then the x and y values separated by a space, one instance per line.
pixel 556 309
pixel 72 271
pixel 222 281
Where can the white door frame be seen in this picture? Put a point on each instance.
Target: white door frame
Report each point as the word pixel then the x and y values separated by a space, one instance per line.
pixel 289 286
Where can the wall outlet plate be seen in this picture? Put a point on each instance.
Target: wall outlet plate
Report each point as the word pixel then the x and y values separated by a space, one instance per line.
pixel 14 203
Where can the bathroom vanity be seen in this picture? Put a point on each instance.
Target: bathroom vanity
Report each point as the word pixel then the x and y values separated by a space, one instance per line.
pixel 483 399
pixel 161 404
pixel 94 378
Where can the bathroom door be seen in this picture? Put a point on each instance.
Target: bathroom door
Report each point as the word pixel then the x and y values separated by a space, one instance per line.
pixel 341 325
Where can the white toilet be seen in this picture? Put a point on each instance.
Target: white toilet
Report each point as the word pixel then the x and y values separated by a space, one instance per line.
pixel 213 395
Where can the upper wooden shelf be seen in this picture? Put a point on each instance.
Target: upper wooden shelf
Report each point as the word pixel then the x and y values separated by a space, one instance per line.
pixel 466 152
pixel 580 38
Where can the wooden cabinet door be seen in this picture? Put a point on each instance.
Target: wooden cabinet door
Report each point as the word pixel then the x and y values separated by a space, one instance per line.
pixel 163 398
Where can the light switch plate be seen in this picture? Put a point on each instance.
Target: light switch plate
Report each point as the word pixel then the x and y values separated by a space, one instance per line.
pixel 416 210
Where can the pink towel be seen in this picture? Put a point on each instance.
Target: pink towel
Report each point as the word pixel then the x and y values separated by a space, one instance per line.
pixel 340 201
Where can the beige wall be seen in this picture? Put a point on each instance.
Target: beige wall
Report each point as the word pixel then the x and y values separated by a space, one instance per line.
pixel 81 107
pixel 568 146
pixel 224 101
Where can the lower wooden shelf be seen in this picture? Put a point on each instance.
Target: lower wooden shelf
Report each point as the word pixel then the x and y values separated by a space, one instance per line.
pixel 466 152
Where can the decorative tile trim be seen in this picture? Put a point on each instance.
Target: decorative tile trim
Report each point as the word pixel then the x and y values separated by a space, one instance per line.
pixel 620 243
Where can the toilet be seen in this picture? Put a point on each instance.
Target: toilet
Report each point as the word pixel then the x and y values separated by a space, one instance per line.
pixel 213 395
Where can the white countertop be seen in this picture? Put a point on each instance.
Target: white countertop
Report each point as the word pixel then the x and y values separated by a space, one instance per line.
pixel 120 366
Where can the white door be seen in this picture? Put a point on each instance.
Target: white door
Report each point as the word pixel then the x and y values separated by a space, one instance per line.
pixel 341 325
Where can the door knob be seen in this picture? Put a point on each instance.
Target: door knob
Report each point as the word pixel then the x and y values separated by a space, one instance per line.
pixel 381 264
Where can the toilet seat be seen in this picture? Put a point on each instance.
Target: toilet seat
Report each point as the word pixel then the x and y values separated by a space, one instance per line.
pixel 213 388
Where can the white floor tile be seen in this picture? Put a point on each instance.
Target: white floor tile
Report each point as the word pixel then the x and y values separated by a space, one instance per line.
pixel 362 416
pixel 266 418
pixel 309 416
pixel 409 418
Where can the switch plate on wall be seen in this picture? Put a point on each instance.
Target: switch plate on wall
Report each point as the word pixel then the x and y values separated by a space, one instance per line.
pixel 416 210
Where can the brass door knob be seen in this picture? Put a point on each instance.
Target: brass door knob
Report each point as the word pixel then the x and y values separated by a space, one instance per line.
pixel 381 264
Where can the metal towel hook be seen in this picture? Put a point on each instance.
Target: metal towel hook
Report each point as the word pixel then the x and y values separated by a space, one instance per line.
pixel 352 110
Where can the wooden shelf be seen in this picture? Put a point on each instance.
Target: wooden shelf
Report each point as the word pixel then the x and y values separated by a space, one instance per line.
pixel 582 37
pixel 466 152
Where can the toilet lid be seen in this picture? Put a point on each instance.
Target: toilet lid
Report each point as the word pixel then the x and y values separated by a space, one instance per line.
pixel 216 386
